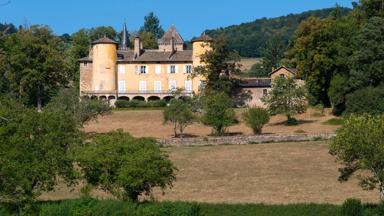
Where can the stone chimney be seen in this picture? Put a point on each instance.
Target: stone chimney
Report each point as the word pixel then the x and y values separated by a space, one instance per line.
pixel 137 47
pixel 173 44
pixel 273 69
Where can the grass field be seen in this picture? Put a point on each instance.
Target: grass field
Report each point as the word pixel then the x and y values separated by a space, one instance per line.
pixel 246 63
pixel 149 123
pixel 274 173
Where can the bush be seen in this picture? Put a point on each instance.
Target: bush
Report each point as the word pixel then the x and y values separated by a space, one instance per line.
pixel 256 118
pixel 352 207
pixel 367 100
pixel 137 103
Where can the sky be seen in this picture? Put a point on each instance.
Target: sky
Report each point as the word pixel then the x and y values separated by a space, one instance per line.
pixel 191 17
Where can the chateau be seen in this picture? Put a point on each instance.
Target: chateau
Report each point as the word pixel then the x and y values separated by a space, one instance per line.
pixel 115 71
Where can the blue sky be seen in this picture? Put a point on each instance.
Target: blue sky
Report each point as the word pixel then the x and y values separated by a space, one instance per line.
pixel 190 17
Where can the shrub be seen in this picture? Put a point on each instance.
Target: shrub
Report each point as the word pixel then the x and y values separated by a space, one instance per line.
pixel 367 100
pixel 352 207
pixel 256 118
pixel 137 103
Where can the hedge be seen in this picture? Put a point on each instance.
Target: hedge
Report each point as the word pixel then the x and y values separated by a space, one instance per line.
pixel 137 103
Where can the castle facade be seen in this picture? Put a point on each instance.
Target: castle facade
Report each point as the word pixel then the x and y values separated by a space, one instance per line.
pixel 115 71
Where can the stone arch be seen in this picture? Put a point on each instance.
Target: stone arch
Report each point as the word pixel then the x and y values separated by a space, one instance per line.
pixel 125 98
pixel 139 98
pixel 93 97
pixel 153 98
pixel 103 97
pixel 111 97
pixel 168 98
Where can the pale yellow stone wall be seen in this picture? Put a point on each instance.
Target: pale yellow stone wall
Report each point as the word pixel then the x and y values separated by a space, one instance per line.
pixel 132 77
pixel 281 71
pixel 104 67
pixel 86 75
pixel 199 48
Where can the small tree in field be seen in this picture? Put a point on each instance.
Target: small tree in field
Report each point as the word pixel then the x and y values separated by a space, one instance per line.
pixel 218 113
pixel 179 114
pixel 125 166
pixel 359 146
pixel 256 118
pixel 286 98
pixel 83 110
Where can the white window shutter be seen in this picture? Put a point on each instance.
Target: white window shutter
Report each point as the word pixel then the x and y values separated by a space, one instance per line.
pixel 176 68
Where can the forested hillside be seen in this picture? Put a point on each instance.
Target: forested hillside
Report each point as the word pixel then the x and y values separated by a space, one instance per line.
pixel 249 38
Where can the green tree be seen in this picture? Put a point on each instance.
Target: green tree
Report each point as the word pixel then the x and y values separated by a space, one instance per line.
pixel 287 98
pixel 218 113
pixel 321 49
pixel 220 64
pixel 83 110
pixel 152 25
pixel 35 64
pixel 36 152
pixel 125 166
pixel 368 56
pixel 256 118
pixel 179 114
pixel 101 31
pixel 273 53
pixel 359 146
pixel 149 40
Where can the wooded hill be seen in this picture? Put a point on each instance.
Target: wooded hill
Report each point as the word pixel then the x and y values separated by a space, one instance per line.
pixel 249 38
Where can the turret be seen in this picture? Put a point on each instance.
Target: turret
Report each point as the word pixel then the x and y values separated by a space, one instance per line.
pixel 104 56
pixel 200 46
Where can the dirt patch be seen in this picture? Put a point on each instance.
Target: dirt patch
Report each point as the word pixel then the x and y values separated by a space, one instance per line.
pixel 149 123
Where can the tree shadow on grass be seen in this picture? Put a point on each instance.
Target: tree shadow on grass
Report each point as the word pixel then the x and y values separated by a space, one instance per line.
pixel 298 122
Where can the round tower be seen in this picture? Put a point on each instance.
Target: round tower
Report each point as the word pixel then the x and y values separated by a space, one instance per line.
pixel 200 46
pixel 104 56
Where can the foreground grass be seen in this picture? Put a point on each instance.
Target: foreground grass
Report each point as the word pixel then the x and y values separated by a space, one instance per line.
pixel 334 121
pixel 113 207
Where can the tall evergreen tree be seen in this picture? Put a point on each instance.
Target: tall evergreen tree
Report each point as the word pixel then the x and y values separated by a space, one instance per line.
pixel 152 25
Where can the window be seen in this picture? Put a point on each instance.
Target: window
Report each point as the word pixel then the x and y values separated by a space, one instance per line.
pixel 158 69
pixel 282 75
pixel 143 86
pixel 188 69
pixel 188 85
pixel 85 64
pixel 121 69
pixel 172 85
pixel 121 86
pixel 157 87
pixel 143 69
pixel 202 84
pixel 265 92
pixel 172 69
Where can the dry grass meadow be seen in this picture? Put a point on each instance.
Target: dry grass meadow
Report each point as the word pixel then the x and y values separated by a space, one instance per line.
pixel 274 173
pixel 149 123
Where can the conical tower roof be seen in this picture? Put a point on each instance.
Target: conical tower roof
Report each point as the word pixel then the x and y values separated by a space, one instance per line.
pixel 124 44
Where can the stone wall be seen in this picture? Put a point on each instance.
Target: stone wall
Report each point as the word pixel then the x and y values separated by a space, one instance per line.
pixel 242 140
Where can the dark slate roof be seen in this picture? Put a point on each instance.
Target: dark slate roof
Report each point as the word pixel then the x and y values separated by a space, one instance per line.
pixel 155 56
pixel 203 38
pixel 150 56
pixel 171 33
pixel 104 40
pixel 255 83
pixel 292 70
